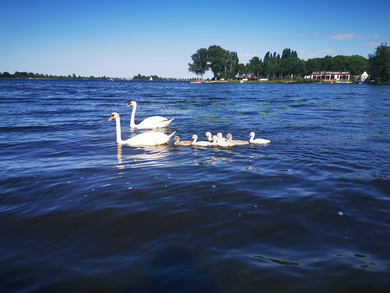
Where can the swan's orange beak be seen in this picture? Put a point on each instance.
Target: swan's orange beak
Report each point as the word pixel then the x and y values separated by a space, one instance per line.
pixel 128 105
pixel 111 117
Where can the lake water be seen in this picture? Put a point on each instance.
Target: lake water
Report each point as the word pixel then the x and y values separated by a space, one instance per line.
pixel 307 213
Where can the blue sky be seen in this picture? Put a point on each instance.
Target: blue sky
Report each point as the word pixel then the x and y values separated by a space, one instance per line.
pixel 123 38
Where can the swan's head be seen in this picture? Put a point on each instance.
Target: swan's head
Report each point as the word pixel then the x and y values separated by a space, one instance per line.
pixel 229 136
pixel 252 134
pixel 219 135
pixel 194 136
pixel 176 138
pixel 132 103
pixel 114 115
pixel 208 134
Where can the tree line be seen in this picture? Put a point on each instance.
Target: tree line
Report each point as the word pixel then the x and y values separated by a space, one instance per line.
pixel 379 64
pixel 140 77
pixel 25 75
pixel 225 64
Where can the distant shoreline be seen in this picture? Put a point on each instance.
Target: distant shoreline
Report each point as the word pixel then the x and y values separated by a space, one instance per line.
pixel 282 81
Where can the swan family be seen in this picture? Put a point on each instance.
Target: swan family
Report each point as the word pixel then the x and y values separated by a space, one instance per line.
pixel 152 138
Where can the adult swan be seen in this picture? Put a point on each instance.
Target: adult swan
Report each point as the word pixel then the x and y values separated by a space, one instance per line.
pixel 143 139
pixel 150 122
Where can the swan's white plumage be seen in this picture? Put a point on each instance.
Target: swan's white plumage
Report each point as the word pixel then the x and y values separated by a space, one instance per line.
pixel 257 140
pixel 148 123
pixel 222 141
pixel 178 142
pixel 209 136
pixel 229 138
pixel 200 143
pixel 143 139
pixel 220 138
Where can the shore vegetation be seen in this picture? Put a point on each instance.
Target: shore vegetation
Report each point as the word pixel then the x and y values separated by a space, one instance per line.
pixel 287 66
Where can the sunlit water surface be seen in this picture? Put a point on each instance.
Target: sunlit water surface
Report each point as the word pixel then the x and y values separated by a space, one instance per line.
pixel 309 212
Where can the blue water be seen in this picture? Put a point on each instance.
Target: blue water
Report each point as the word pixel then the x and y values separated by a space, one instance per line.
pixel 307 213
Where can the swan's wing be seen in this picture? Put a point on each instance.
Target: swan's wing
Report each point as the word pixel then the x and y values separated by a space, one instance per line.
pixel 239 142
pixel 149 138
pixel 202 143
pixel 262 141
pixel 154 122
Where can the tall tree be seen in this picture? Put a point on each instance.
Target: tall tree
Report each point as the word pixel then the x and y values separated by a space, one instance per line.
pixel 313 65
pixel 357 64
pixel 255 66
pixel 269 66
pixel 232 65
pixel 379 64
pixel 242 69
pixel 199 63
pixel 217 58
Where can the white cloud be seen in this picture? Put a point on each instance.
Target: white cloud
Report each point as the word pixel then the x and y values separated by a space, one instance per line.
pixel 96 61
pixel 369 45
pixel 245 57
pixel 310 54
pixel 352 36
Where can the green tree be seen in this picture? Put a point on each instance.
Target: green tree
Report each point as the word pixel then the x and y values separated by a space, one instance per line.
pixel 199 63
pixel 255 67
pixel 300 68
pixel 327 63
pixel 313 65
pixel 217 58
pixel 357 64
pixel 242 69
pixel 232 65
pixel 269 65
pixel 286 62
pixel 340 63
pixel 379 64
pixel 6 75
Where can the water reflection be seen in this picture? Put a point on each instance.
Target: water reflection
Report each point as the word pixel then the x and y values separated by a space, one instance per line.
pixel 146 156
pixel 277 261
pixel 157 156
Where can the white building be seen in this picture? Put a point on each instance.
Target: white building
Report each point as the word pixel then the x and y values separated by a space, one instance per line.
pixel 364 76
pixel 329 76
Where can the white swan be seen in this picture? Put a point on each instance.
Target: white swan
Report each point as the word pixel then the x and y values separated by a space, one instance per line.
pixel 222 142
pixel 209 136
pixel 178 142
pixel 257 140
pixel 220 138
pixel 200 143
pixel 150 122
pixel 229 138
pixel 143 139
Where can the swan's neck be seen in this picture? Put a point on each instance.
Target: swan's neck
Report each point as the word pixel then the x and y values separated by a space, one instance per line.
pixel 132 123
pixel 118 130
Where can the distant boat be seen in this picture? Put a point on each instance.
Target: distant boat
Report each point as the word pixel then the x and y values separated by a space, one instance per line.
pixel 217 81
pixel 150 78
